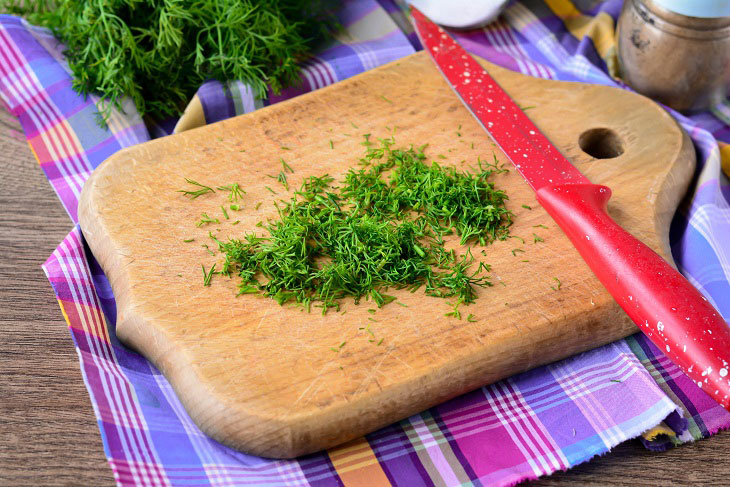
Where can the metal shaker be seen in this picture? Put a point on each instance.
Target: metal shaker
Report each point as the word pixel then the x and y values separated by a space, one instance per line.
pixel 676 51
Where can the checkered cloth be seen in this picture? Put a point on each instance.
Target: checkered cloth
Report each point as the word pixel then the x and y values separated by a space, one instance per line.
pixel 532 424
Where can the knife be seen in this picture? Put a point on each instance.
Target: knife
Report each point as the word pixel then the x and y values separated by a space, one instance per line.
pixel 659 300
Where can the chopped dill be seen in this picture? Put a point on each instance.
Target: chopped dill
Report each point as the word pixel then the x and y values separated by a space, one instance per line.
pixel 235 207
pixel 236 222
pixel 518 238
pixel 371 311
pixel 282 179
pixel 382 226
pixel 199 192
pixel 207 275
pixel 559 284
pixel 525 260
pixel 540 226
pixel 384 98
pixel 514 252
pixel 234 191
pixel 353 125
pixel 283 147
pixel 380 341
pixel 455 313
pixel 471 318
pixel 527 207
pixel 225 213
pixel 337 350
pixel 401 304
pixel 187 240
pixel 258 205
pixel 286 166
pixel 616 380
pixel 270 190
pixel 205 219
pixel 332 146
pixel 537 238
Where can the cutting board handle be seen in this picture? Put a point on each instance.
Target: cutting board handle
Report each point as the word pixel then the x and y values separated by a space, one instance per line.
pixel 663 304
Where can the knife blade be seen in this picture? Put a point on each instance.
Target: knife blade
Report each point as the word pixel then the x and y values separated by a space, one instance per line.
pixel 674 315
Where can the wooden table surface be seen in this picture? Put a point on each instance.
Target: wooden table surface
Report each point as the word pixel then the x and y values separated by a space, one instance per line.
pixel 48 433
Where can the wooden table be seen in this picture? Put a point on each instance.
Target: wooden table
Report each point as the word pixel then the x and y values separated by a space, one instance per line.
pixel 48 433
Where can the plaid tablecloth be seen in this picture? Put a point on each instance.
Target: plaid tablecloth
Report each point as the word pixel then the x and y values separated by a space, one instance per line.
pixel 532 424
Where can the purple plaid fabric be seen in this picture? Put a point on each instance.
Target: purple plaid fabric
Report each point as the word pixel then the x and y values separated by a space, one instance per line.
pixel 550 418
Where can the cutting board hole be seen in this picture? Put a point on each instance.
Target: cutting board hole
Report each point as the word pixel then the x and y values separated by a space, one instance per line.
pixel 601 143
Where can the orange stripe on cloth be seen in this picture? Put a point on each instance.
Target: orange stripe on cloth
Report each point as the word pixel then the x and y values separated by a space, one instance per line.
pixel 357 465
pixel 84 317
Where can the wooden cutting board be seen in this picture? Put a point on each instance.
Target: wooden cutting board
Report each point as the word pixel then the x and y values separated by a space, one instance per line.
pixel 262 378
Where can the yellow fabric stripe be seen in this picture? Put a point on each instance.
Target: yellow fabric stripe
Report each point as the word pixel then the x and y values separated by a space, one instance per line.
pixel 63 312
pixel 600 29
pixel 660 429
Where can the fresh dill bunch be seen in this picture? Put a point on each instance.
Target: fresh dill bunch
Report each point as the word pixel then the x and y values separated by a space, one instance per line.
pixel 372 234
pixel 158 52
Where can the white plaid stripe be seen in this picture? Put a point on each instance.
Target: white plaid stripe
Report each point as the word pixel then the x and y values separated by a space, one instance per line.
pixel 98 352
pixel 520 410
pixel 516 432
pixel 433 449
pixel 520 18
pixel 201 444
pixel 113 379
pixel 291 473
pixel 22 84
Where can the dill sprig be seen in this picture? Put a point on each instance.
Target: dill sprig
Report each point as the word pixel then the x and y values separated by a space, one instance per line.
pixel 207 276
pixel 203 189
pixel 373 233
pixel 286 166
pixel 205 219
pixel 234 191
pixel 281 178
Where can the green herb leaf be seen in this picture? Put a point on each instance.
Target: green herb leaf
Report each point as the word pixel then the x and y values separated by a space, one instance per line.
pixel 198 192
pixel 207 276
pixel 234 191
pixel 205 219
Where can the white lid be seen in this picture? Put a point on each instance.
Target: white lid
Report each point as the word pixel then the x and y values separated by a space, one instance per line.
pixel 697 8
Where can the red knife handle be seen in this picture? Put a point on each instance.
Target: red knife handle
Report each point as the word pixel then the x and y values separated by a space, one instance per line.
pixel 662 303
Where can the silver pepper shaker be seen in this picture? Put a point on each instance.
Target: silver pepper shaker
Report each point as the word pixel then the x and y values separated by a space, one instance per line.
pixel 676 51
